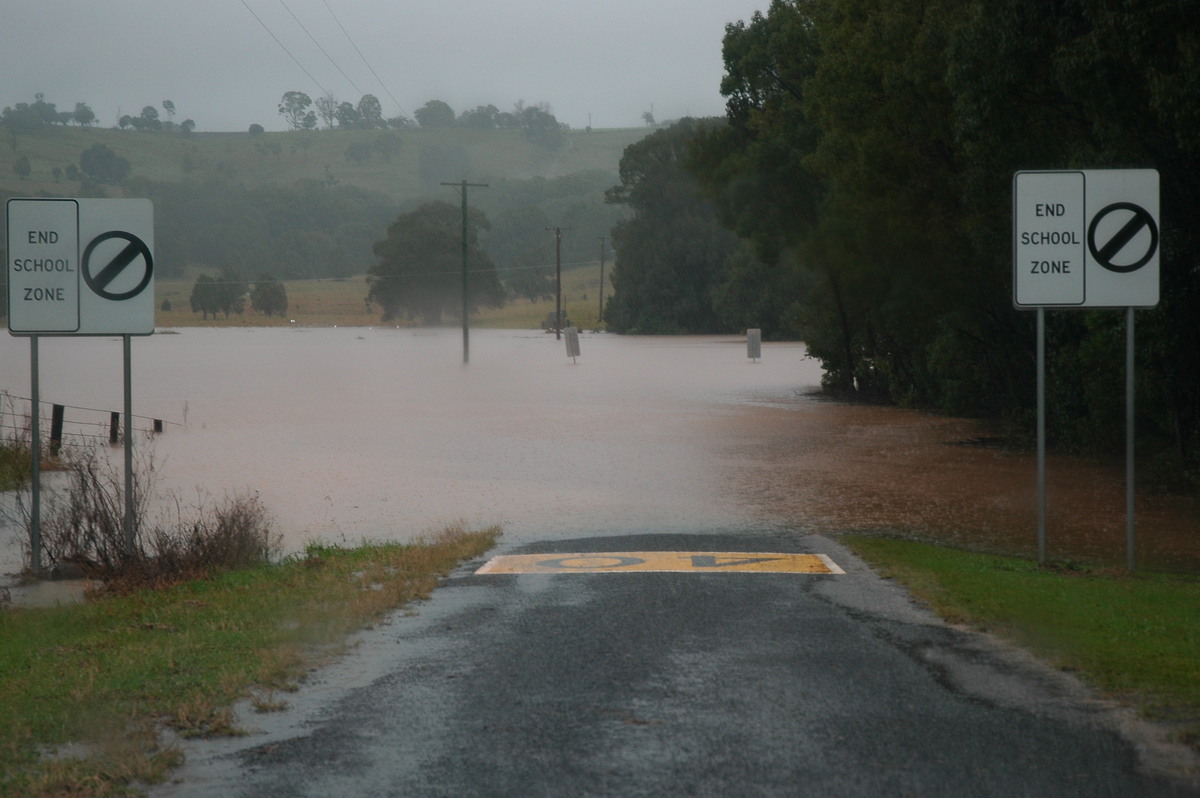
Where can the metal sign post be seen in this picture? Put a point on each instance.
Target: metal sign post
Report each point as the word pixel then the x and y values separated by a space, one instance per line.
pixel 1086 239
pixel 80 267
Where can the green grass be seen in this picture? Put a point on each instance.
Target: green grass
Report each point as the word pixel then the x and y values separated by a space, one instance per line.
pixel 103 676
pixel 1132 637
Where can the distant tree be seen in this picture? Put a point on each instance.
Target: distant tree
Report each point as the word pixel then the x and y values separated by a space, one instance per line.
pixel 294 108
pixel 148 120
pixel 648 118
pixel 257 129
pixel 187 126
pixel 125 121
pixel 22 167
pixel 103 165
pixel 435 114
pixel 83 116
pixel 232 290
pixel 399 122
pixel 370 112
pixel 540 127
pixel 327 109
pixel 44 110
pixel 21 118
pixel 206 296
pixel 72 172
pixel 482 116
pixel 348 116
pixel 269 296
pixel 169 107
pixel 419 273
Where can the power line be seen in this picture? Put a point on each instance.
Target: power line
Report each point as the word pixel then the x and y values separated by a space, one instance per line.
pixel 322 49
pixel 285 49
pixel 364 59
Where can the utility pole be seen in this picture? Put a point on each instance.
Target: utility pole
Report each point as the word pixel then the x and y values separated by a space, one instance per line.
pixel 600 318
pixel 465 304
pixel 558 231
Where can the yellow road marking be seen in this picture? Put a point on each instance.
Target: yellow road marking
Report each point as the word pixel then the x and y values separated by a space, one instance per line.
pixel 661 561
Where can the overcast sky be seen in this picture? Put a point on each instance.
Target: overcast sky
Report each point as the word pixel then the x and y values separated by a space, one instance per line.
pixel 603 62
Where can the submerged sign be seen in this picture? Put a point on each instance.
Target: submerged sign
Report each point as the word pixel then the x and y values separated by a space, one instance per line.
pixel 1086 238
pixel 80 267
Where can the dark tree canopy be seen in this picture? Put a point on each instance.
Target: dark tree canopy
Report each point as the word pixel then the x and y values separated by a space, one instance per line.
pixel 419 272
pixel 869 155
pixel 672 254
pixel 103 165
pixel 269 296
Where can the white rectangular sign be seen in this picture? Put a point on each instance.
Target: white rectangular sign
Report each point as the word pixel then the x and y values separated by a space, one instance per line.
pixel 1086 238
pixel 80 267
pixel 43 266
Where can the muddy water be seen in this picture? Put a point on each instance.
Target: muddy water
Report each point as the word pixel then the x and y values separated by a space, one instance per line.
pixel 353 433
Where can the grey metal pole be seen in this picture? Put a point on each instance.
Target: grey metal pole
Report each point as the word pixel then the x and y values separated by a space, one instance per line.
pixel 35 511
pixel 1041 434
pixel 1129 440
pixel 129 533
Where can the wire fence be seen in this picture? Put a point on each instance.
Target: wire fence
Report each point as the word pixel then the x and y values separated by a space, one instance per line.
pixel 86 423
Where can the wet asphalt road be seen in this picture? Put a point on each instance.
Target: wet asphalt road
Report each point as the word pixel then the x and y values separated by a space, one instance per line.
pixel 668 684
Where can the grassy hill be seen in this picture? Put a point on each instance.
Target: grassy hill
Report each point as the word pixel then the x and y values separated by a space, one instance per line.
pixel 425 158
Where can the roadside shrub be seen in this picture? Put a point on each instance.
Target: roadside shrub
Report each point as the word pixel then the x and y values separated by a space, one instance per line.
pixel 83 529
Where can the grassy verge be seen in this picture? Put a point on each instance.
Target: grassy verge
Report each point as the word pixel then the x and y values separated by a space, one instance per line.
pixel 84 689
pixel 1132 637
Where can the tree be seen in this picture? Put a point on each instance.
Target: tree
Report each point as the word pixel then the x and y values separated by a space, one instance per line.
pixel 22 167
pixel 269 296
pixel 103 165
pixel 294 108
pixel 348 117
pixel 169 107
pixel 671 255
pixel 327 109
pixel 419 272
pixel 482 117
pixel 83 116
pixel 370 112
pixel 540 127
pixel 434 114
pixel 206 296
pixel 257 129
pixel 187 126
pixel 148 119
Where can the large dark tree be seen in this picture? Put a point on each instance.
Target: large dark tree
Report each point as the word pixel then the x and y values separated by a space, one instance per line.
pixel 419 272
pixel 269 296
pixel 672 253
pixel 870 151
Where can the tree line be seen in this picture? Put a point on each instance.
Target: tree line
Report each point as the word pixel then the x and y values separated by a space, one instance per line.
pixel 865 163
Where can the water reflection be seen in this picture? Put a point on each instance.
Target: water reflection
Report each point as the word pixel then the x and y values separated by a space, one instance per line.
pixel 380 433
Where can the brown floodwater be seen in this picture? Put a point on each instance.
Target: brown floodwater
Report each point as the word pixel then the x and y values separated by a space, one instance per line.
pixel 349 434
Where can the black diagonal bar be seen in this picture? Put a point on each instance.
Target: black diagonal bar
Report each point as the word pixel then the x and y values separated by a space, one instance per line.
pixel 1123 237
pixel 117 265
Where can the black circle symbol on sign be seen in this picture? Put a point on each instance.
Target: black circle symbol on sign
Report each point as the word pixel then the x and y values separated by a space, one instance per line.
pixel 109 271
pixel 1106 254
pixel 585 562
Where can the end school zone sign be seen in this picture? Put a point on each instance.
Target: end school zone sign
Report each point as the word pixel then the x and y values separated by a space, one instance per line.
pixel 80 266
pixel 1086 238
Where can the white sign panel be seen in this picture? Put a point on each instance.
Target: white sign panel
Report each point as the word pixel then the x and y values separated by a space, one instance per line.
pixel 1086 238
pixel 81 267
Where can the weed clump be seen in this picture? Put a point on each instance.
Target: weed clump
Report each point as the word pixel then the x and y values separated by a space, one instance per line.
pixel 83 530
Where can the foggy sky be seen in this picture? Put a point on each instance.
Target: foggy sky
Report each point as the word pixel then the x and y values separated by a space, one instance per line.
pixel 602 62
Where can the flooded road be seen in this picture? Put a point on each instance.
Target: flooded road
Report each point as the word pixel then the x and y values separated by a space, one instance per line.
pixel 355 433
